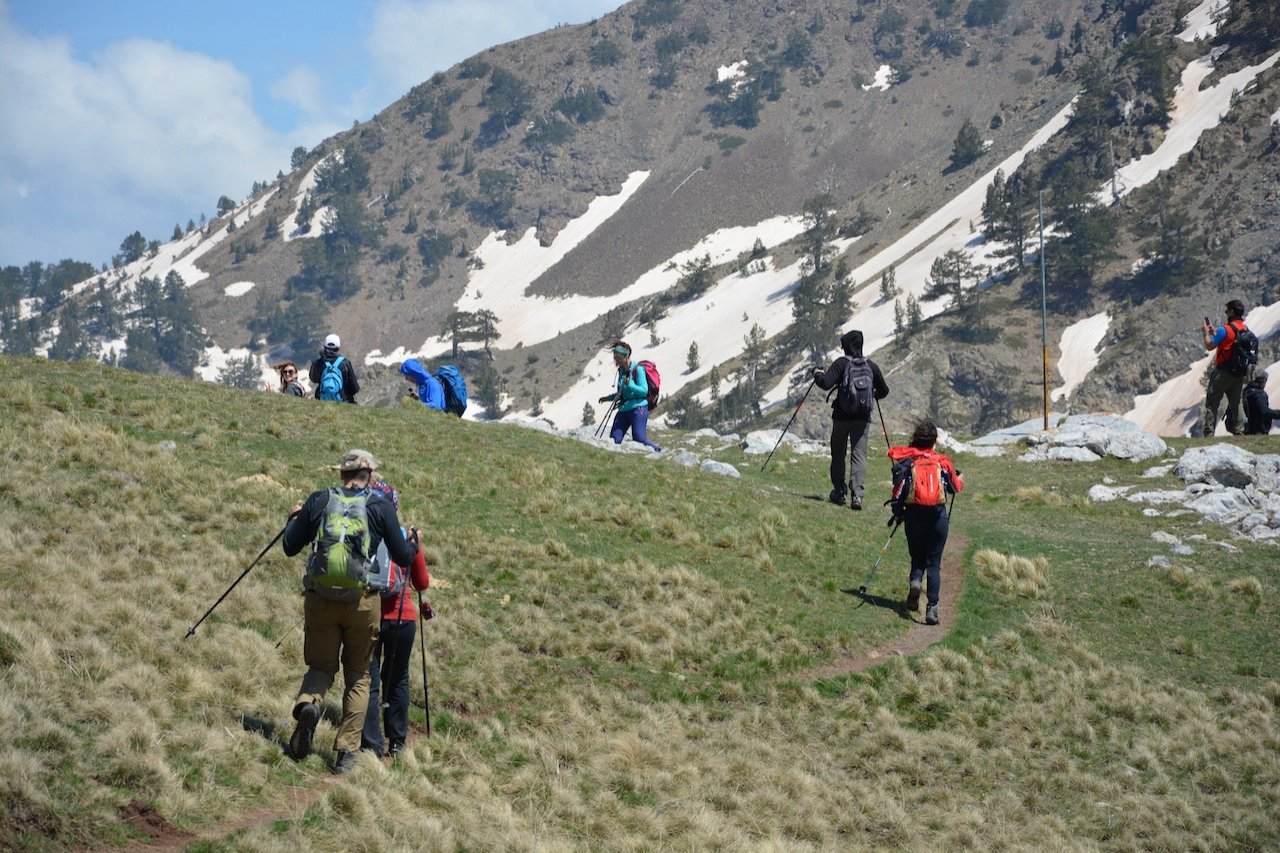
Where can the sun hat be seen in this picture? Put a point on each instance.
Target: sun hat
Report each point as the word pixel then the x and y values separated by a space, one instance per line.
pixel 357 460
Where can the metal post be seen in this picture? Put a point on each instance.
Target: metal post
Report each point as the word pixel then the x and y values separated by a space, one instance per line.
pixel 1044 316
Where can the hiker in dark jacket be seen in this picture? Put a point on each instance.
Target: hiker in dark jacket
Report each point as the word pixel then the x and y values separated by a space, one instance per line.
pixel 389 669
pixel 922 510
pixel 329 354
pixel 1258 413
pixel 1222 382
pixel 341 630
pixel 632 397
pixel 846 430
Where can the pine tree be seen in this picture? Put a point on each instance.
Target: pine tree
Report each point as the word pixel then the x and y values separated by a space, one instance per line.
pixel 241 373
pixel 691 360
pixel 489 391
pixel 967 146
pixel 899 324
pixel 889 284
pixel 588 415
pixel 914 316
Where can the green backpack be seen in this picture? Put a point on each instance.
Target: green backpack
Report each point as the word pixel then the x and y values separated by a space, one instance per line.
pixel 340 562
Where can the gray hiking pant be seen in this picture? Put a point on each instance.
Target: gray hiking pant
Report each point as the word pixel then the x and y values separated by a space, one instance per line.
pixel 846 435
pixel 1223 383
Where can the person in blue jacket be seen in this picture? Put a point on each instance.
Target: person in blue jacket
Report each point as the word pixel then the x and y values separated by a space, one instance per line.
pixel 632 397
pixel 427 389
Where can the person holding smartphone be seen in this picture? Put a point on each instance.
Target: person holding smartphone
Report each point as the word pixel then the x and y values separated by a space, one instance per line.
pixel 1222 381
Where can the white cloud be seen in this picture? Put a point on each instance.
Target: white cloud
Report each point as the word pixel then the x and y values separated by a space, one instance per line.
pixel 140 136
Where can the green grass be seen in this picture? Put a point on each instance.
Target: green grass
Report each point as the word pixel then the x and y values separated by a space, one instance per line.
pixel 623 647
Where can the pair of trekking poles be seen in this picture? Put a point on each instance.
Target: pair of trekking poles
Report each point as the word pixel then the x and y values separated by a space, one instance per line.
pixel 804 397
pixel 422 614
pixel 605 420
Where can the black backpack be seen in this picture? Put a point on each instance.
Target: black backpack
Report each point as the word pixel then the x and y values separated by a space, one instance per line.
pixel 1244 352
pixel 854 396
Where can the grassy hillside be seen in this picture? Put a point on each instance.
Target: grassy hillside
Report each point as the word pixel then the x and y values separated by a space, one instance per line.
pixel 624 652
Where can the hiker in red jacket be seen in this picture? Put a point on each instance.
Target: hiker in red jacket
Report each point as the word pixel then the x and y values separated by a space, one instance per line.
pixel 389 668
pixel 922 478
pixel 1222 382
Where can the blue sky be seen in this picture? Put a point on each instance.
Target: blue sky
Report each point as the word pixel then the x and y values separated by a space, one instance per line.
pixel 124 116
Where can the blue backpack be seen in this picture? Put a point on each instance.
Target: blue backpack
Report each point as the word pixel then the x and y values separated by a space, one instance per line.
pixel 455 389
pixel 331 381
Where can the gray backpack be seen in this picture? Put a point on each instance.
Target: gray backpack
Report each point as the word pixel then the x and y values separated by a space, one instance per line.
pixel 855 396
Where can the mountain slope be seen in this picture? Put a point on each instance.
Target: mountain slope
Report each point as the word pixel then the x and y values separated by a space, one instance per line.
pixel 641 105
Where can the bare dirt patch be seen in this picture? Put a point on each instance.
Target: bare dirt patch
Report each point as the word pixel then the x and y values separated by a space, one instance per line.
pixel 921 636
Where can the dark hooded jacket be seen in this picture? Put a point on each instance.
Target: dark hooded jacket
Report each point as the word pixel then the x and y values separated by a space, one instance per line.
pixel 1258 413
pixel 851 343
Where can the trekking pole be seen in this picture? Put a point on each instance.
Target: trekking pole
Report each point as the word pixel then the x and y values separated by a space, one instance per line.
pixel 290 631
pixel 192 629
pixel 863 588
pixel 600 427
pixel 422 643
pixel 804 397
pixel 887 442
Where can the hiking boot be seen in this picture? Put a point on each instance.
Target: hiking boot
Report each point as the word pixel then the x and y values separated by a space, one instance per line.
pixel 855 502
pixel 397 747
pixel 836 496
pixel 913 597
pixel 346 762
pixel 931 615
pixel 307 714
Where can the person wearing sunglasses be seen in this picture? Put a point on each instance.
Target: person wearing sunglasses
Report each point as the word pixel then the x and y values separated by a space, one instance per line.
pixel 289 383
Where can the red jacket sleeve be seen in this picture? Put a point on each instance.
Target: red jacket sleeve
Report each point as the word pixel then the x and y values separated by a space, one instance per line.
pixel 418 574
pixel 957 481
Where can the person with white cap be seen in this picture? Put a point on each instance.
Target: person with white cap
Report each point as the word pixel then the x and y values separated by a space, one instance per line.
pixel 332 374
pixel 341 611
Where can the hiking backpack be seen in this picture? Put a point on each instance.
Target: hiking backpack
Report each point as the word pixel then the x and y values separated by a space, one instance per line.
pixel 339 565
pixel 455 389
pixel 919 481
pixel 652 376
pixel 331 383
pixel 386 577
pixel 1244 352
pixel 855 396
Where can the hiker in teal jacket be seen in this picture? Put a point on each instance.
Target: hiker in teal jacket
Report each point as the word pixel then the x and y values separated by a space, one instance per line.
pixel 633 399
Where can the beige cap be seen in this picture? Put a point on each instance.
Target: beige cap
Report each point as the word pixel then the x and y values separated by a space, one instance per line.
pixel 357 459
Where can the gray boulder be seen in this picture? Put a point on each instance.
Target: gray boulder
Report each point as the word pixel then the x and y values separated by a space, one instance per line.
pixel 1221 464
pixel 712 466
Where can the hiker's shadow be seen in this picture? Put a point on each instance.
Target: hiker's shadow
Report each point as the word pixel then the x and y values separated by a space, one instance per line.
pixel 270 731
pixel 897 605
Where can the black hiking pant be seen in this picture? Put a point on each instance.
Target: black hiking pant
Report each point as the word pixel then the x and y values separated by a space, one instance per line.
pixel 926 528
pixel 851 437
pixel 389 669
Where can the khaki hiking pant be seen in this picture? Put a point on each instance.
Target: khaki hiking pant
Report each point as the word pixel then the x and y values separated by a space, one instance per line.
pixel 340 632
pixel 1223 383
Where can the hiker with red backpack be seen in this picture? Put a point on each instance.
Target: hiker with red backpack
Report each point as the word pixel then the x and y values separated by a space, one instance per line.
pixel 344 526
pixel 389 668
pixel 859 385
pixel 1235 354
pixel 922 479
pixel 634 397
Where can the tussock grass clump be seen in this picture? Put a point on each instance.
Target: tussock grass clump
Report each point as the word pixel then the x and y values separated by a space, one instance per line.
pixel 1013 575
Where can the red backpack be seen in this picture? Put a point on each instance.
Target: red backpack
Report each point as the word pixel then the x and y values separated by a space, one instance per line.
pixel 654 380
pixel 917 480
